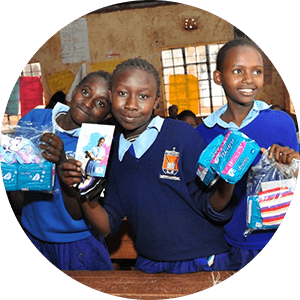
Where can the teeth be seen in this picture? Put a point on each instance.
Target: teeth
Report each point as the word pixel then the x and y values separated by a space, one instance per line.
pixel 246 90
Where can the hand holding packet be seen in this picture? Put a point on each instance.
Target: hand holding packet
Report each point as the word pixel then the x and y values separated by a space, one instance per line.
pixel 227 157
pixel 22 164
pixel 270 189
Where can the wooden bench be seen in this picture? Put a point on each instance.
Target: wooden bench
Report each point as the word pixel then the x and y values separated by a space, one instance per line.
pixel 125 282
pixel 139 285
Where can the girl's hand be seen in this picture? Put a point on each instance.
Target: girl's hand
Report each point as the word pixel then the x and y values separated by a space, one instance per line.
pixel 282 155
pixel 53 148
pixel 69 172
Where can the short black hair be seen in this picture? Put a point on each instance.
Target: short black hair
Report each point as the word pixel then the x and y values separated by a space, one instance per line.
pixel 186 113
pixel 101 74
pixel 137 63
pixel 238 42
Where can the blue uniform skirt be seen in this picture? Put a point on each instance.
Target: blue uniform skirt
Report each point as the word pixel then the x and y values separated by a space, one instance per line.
pixel 87 254
pixel 233 260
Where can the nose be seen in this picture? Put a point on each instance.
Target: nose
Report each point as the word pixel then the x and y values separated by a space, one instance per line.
pixel 247 78
pixel 131 103
pixel 89 103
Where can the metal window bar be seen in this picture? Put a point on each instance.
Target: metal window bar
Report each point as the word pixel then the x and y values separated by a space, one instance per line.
pixel 196 63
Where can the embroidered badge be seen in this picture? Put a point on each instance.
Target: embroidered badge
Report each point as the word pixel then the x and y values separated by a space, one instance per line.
pixel 170 164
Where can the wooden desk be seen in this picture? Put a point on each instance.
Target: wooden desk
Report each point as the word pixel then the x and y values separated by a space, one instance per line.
pixel 139 285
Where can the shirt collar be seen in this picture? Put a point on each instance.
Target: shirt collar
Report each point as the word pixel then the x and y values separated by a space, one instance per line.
pixel 144 141
pixel 215 117
pixel 60 108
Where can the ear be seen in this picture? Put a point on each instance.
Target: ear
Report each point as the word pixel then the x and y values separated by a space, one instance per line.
pixel 74 91
pixel 218 77
pixel 156 102
pixel 107 117
pixel 110 96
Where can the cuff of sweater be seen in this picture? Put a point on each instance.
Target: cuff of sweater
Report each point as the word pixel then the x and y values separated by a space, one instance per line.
pixel 223 216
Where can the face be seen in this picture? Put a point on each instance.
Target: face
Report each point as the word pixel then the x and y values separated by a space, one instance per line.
pixel 133 99
pixel 242 75
pixel 173 112
pixel 90 103
pixel 191 121
pixel 101 142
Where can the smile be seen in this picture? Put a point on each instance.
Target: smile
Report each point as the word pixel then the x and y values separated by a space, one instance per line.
pixel 129 118
pixel 246 91
pixel 84 110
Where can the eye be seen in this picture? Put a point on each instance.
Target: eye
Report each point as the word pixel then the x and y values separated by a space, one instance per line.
pixel 85 92
pixel 237 71
pixel 143 96
pixel 101 103
pixel 257 72
pixel 122 93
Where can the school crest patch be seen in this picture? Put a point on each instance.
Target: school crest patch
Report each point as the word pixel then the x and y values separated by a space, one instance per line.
pixel 170 164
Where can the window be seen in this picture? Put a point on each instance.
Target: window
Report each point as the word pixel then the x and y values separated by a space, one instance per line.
pixel 188 78
pixel 33 69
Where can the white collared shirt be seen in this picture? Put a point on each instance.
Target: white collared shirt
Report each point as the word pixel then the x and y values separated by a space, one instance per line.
pixel 215 117
pixel 58 109
pixel 144 141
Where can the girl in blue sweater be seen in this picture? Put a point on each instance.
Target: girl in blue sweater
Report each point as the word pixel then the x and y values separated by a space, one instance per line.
pixel 240 73
pixel 152 181
pixel 54 222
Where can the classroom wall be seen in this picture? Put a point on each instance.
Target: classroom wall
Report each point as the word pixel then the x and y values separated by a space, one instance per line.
pixel 143 32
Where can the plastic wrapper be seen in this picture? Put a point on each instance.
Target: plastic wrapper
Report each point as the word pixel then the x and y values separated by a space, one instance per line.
pixel 270 188
pixel 227 157
pixel 234 156
pixel 22 164
pixel 204 169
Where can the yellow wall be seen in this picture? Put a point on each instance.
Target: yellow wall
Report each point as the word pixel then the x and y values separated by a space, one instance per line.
pixel 143 33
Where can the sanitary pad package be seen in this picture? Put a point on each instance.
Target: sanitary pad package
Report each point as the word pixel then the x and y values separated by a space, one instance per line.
pixel 234 156
pixel 270 189
pixel 204 169
pixel 22 164
pixel 227 157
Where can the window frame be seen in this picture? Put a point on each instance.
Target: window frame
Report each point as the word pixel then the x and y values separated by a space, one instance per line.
pixel 208 63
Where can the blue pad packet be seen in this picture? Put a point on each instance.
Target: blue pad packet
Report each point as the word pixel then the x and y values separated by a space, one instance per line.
pixel 9 175
pixel 36 177
pixel 7 156
pixel 204 169
pixel 234 156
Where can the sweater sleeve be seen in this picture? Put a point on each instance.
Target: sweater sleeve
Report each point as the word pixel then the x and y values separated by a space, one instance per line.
pixel 112 204
pixel 290 132
pixel 201 195
pixel 198 191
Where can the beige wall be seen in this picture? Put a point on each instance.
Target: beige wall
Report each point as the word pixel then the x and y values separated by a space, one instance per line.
pixel 143 33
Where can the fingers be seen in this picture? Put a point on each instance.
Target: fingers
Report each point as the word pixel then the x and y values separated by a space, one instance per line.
pixel 72 165
pixel 283 155
pixel 51 139
pixel 70 172
pixel 50 153
pixel 52 146
pixel 71 181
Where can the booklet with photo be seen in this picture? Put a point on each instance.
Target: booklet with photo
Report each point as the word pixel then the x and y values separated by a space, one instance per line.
pixel 93 148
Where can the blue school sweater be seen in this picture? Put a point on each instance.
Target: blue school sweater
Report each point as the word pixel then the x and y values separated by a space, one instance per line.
pixel 44 215
pixel 167 207
pixel 268 128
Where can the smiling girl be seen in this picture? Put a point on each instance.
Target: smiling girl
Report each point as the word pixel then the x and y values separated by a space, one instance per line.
pixel 54 222
pixel 240 71
pixel 152 181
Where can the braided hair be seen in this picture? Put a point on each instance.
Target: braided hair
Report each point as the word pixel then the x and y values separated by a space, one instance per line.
pixel 137 63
